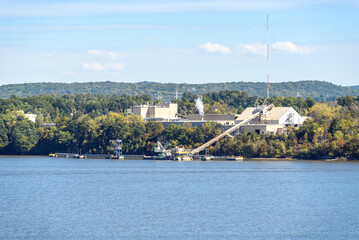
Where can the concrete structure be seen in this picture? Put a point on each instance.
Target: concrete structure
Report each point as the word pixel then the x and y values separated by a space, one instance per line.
pixel 277 115
pixel 264 128
pixel 275 121
pixel 163 111
pixel 224 119
pixel 31 117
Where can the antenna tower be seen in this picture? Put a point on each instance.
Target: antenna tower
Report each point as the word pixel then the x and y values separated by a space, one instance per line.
pixel 267 59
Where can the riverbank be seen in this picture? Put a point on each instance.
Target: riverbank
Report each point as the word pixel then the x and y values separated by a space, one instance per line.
pixel 301 159
pixel 222 158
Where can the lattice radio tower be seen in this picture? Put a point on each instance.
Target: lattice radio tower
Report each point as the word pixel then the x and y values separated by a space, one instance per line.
pixel 267 58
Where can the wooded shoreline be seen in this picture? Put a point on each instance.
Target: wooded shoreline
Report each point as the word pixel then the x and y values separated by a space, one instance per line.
pixel 85 123
pixel 244 159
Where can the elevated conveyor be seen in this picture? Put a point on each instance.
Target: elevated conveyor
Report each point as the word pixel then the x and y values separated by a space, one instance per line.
pixel 232 129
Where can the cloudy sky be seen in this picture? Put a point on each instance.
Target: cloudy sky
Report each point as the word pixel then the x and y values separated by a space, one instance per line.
pixel 178 41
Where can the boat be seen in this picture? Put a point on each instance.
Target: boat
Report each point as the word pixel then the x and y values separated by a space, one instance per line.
pixel 207 158
pixel 155 158
pixel 116 157
pixel 235 158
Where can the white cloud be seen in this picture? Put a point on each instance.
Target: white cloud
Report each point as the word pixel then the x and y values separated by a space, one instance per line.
pixel 105 54
pixel 291 48
pixel 256 48
pixel 98 67
pixel 95 67
pixel 110 66
pixel 215 47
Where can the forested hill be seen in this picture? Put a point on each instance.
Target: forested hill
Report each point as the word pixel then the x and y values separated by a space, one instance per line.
pixel 319 90
pixel 355 87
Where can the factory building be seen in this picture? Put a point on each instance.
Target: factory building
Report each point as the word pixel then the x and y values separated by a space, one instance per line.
pixel 163 111
pixel 275 121
pixel 29 116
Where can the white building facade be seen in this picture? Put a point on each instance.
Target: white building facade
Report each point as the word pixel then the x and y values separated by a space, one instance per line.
pixel 274 121
pixel 164 111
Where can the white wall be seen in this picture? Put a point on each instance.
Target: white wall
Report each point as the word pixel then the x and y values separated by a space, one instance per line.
pixel 297 119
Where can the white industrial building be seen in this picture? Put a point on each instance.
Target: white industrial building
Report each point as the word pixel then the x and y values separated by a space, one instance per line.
pixel 274 121
pixel 29 116
pixel 163 111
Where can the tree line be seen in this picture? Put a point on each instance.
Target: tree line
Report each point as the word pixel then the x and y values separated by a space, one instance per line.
pixel 86 123
pixel 319 90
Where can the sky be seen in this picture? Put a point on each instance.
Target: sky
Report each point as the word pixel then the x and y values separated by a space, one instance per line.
pixel 178 41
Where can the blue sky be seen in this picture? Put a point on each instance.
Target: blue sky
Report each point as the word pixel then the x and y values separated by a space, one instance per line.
pixel 178 41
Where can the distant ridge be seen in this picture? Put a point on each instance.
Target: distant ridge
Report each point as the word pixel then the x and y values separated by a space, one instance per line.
pixel 319 90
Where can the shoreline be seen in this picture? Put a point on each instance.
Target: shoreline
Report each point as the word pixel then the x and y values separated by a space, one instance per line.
pixel 300 159
pixel 136 157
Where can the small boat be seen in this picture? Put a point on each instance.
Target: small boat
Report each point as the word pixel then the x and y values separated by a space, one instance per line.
pixel 235 158
pixel 52 155
pixel 186 158
pixel 116 157
pixel 159 157
pixel 207 158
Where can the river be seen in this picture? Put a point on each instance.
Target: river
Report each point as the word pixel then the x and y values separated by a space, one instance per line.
pixel 58 198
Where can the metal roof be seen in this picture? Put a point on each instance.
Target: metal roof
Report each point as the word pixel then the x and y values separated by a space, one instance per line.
pixel 275 114
pixel 246 113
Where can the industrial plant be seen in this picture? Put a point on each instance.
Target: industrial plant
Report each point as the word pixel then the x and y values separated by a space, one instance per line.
pixel 261 119
pixel 275 120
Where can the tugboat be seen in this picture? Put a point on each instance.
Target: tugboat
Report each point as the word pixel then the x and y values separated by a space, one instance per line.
pixel 161 156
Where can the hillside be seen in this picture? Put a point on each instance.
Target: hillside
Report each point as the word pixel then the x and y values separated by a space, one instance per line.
pixel 355 87
pixel 319 90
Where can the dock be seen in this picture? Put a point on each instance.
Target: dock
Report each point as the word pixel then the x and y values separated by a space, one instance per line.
pixel 144 157
pixel 96 156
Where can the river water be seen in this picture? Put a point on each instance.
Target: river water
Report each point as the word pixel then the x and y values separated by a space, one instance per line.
pixel 58 198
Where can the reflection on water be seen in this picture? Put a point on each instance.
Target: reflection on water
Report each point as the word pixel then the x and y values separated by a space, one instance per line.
pixel 55 198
